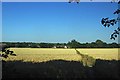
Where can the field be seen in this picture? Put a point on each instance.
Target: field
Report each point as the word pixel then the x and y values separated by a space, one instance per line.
pixel 61 63
pixel 46 54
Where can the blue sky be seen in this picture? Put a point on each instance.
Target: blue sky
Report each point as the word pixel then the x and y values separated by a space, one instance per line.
pixel 56 21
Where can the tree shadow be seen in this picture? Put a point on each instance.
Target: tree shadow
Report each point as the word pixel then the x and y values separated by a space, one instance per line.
pixel 49 69
pixel 107 69
pixel 59 69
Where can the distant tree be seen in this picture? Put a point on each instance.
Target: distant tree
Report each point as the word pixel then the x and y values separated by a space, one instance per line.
pixel 113 45
pixel 46 45
pixel 93 44
pixel 73 44
pixel 34 45
pixel 99 43
pixel 88 45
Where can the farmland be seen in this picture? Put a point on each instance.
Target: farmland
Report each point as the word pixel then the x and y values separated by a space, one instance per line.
pixel 46 54
pixel 61 63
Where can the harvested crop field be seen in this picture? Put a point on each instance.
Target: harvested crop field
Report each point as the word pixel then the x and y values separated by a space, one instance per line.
pixel 46 54
pixel 61 63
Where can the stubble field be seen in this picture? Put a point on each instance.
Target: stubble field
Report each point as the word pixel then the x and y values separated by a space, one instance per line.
pixel 46 54
pixel 61 63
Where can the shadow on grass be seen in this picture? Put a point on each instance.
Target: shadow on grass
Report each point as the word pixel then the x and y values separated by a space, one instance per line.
pixel 60 69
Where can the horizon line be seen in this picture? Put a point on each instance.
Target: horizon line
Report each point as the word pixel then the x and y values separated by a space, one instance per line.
pixel 53 42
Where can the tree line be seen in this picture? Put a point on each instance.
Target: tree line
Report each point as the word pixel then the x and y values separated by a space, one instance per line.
pixel 71 44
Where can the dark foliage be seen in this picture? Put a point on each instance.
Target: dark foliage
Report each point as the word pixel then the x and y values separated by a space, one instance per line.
pixel 106 22
pixel 4 55
pixel 71 44
pixel 5 50
pixel 117 11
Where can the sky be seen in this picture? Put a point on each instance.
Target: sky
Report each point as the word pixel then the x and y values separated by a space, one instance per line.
pixel 56 21
pixel 56 0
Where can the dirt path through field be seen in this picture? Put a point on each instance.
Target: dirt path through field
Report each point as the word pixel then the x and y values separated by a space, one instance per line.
pixel 86 59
